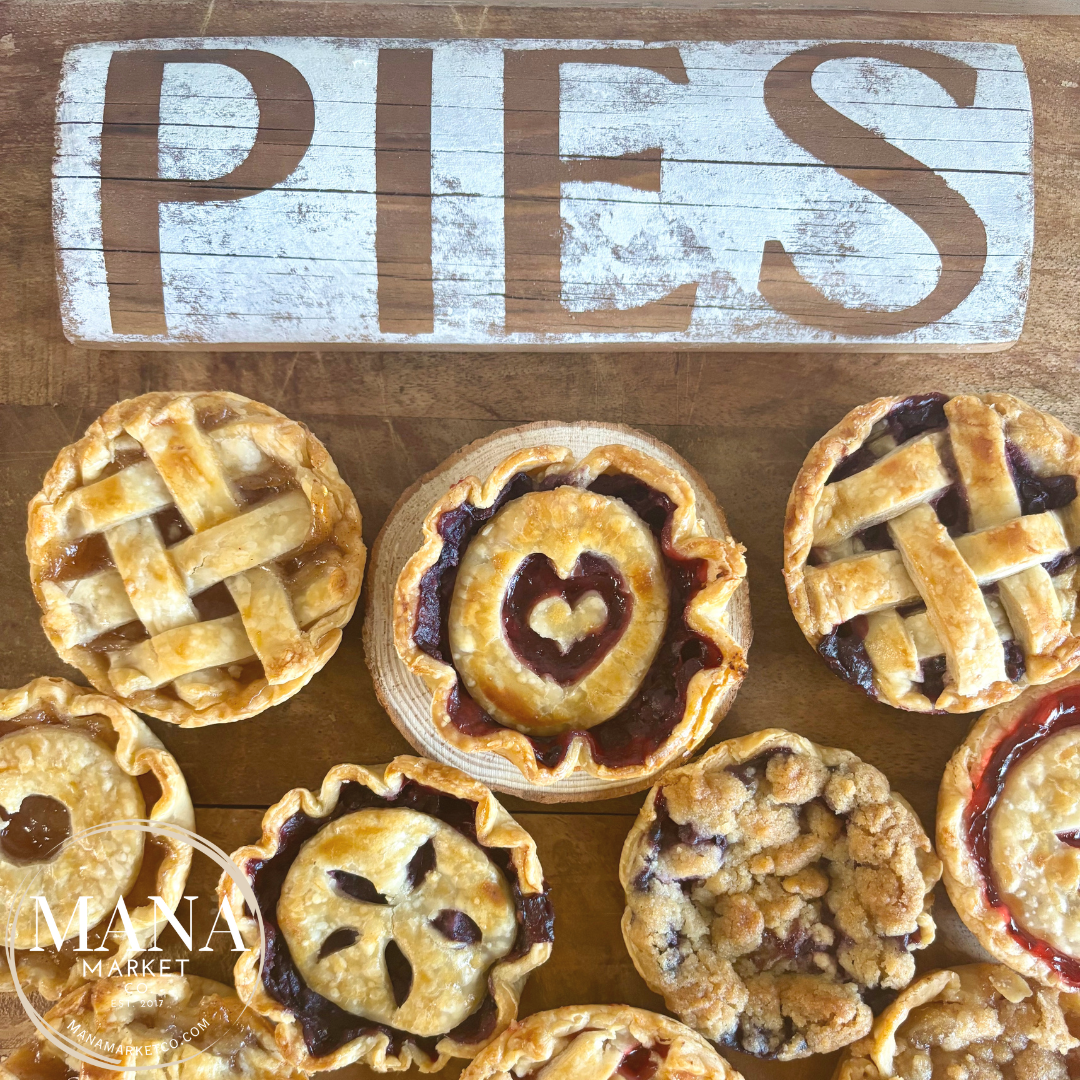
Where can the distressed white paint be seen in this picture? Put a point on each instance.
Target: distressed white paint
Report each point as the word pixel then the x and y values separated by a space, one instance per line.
pixel 297 263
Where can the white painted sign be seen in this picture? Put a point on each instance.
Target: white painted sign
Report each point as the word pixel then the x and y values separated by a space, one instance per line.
pixel 276 191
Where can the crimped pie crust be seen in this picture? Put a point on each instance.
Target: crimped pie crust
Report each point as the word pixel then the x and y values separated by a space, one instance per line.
pixel 980 1021
pixel 1035 873
pixel 147 1020
pixel 67 760
pixel 1031 613
pixel 591 1042
pixel 768 884
pixel 495 828
pixel 266 517
pixel 705 613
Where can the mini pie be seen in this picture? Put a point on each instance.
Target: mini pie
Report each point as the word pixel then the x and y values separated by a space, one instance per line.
pixel 195 555
pixel 599 1042
pixel 71 760
pixel 1008 829
pixel 976 1022
pixel 775 890
pixel 571 615
pixel 145 1017
pixel 402 912
pixel 929 550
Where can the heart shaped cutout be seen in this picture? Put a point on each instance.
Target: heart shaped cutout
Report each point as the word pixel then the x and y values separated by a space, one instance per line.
pixel 583 637
pixel 35 830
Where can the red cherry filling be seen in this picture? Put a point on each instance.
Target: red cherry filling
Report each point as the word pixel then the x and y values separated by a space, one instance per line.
pixel 1052 714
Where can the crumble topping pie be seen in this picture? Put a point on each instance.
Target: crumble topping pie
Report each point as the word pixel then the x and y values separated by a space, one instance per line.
pixel 572 615
pixel 214 1035
pixel 976 1022
pixel 775 891
pixel 599 1042
pixel 403 913
pixel 1008 830
pixel 195 555
pixel 930 548
pixel 71 760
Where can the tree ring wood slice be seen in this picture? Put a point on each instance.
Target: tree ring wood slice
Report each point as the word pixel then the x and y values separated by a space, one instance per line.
pixel 405 696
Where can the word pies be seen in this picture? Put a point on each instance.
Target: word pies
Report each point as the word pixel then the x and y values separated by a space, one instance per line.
pixel 189 1028
pixel 774 890
pixel 979 1021
pixel 195 555
pixel 1008 829
pixel 402 915
pixel 599 1042
pixel 71 761
pixel 572 616
pixel 928 550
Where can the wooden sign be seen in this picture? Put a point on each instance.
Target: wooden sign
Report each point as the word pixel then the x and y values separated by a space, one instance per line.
pixel 277 191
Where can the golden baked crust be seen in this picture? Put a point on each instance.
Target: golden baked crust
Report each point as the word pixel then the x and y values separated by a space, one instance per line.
pixel 1035 873
pixel 979 1020
pixel 591 1042
pixel 362 844
pixel 768 884
pixel 861 554
pixel 553 525
pixel 147 1021
pixel 176 504
pixel 86 751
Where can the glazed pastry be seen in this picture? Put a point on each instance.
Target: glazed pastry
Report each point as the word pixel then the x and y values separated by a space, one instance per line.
pixel 775 890
pixel 194 1029
pixel 980 1021
pixel 402 912
pixel 195 555
pixel 71 760
pixel 1008 830
pixel 599 1042
pixel 572 616
pixel 929 550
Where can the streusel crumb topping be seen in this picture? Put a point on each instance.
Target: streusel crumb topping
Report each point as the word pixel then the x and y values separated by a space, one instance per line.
pixel 770 894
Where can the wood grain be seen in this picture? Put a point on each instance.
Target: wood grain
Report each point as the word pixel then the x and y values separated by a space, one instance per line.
pixel 404 695
pixel 744 420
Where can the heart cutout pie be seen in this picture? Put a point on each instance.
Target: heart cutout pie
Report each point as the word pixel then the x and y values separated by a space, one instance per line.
pixel 563 655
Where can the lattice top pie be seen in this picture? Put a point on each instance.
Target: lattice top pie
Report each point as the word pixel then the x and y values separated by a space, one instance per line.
pixel 190 1028
pixel 929 549
pixel 976 1022
pixel 572 615
pixel 195 555
pixel 1008 830
pixel 402 912
pixel 71 760
pixel 599 1042
pixel 774 890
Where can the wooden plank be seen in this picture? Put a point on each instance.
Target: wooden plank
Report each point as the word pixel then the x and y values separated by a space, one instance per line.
pixel 211 192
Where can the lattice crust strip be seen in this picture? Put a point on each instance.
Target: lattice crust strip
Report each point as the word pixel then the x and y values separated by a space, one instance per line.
pixel 267 518
pixel 875 544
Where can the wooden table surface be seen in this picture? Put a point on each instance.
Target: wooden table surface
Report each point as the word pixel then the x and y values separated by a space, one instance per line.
pixel 745 421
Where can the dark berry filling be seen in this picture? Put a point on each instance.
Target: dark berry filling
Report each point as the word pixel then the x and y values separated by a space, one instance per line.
pixel 457 926
pixel 1038 493
pixel 1052 714
pixel 536 579
pixel 844 650
pixel 640 728
pixel 326 1027
pixel 664 834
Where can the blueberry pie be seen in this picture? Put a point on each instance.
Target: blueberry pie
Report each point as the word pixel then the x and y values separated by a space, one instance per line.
pixel 402 912
pixel 775 890
pixel 599 1042
pixel 195 555
pixel 930 550
pixel 976 1022
pixel 572 615
pixel 189 1028
pixel 71 760
pixel 1008 829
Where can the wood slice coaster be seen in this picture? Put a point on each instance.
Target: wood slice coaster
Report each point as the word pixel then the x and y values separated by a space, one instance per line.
pixel 404 694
